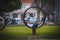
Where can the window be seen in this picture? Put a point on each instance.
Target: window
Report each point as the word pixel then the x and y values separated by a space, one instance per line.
pixel 15 15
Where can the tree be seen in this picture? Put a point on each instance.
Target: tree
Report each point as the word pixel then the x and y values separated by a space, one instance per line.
pixel 9 5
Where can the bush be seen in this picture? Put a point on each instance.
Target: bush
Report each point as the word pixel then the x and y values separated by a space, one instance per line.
pixel 9 5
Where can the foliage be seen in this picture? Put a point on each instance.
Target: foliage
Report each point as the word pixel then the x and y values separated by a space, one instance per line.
pixel 9 5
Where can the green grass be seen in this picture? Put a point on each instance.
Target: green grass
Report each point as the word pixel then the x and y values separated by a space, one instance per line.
pixel 23 32
pixel 49 30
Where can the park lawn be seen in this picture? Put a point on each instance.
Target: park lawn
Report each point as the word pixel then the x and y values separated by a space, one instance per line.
pixel 23 30
pixel 24 33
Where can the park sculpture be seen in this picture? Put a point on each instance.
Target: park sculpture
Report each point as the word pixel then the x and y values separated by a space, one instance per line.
pixel 34 17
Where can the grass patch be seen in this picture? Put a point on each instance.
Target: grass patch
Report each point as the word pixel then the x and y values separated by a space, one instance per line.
pixel 47 30
pixel 23 32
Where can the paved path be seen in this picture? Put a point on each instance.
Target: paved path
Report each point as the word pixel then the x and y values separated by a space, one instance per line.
pixel 30 37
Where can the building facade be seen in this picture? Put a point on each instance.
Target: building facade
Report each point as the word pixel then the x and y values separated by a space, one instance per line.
pixel 15 16
pixel 55 4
